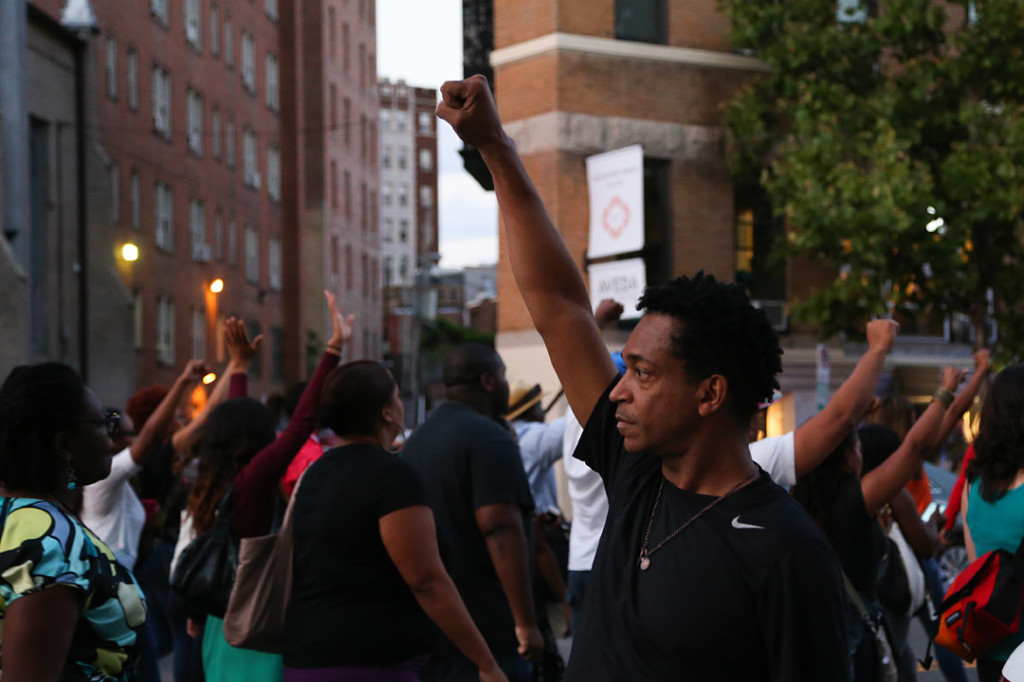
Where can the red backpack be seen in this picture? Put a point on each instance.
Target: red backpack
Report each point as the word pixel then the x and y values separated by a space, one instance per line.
pixel 983 605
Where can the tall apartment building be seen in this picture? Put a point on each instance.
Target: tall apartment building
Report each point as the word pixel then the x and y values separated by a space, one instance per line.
pixel 408 170
pixel 239 144
pixel 333 168
pixel 588 76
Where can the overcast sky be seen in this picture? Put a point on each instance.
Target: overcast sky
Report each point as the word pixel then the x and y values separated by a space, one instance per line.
pixel 421 42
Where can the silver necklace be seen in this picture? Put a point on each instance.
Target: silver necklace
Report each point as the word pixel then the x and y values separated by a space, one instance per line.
pixel 645 554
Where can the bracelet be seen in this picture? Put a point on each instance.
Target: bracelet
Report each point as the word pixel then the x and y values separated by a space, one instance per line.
pixel 944 396
pixel 334 349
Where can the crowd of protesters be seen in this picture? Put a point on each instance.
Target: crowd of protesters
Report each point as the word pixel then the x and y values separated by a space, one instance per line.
pixel 697 550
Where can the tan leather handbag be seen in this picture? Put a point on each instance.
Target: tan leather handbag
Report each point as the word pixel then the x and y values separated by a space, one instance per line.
pixel 263 586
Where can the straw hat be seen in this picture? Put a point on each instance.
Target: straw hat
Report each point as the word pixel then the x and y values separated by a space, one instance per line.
pixel 521 398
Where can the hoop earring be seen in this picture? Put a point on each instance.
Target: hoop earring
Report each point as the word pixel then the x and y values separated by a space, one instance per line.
pixel 72 479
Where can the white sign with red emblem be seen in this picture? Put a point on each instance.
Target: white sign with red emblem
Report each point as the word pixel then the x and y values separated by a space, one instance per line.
pixel 620 280
pixel 615 181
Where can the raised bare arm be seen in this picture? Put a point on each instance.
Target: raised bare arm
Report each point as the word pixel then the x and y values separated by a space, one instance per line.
pixel 547 276
pixel 823 432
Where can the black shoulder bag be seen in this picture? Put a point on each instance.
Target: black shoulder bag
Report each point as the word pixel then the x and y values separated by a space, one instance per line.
pixel 205 571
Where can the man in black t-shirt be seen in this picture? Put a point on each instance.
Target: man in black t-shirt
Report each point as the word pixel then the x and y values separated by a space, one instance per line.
pixel 481 500
pixel 706 569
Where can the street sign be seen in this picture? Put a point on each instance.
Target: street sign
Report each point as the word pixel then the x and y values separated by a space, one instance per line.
pixel 615 181
pixel 620 280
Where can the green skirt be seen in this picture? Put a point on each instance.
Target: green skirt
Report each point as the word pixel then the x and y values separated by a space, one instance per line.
pixel 226 663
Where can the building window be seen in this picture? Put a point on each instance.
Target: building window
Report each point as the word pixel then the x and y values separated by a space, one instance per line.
pixel 229 41
pixel 385 193
pixel 195 122
pixel 403 232
pixel 198 333
pixel 388 233
pixel 344 47
pixel 111 66
pixel 215 132
pixel 334 184
pixel 402 158
pixel 162 102
pixel 403 270
pixel 643 21
pixel 385 117
pixel 426 160
pixel 426 121
pixel 135 188
pixel 270 7
pixel 400 121
pixel 197 230
pixel 164 205
pixel 164 330
pixel 252 255
pixel 385 159
pixel 346 110
pixel 334 255
pixel 348 267
pixel 363 202
pixel 256 363
pixel 229 141
pixel 332 33
pixel 137 321
pixel 274 173
pixel 277 353
pixel 193 24
pixel 332 91
pixel 115 193
pixel 133 79
pixel 250 158
pixel 348 195
pixel 158 8
pixel 273 98
pixel 274 256
pixel 426 196
pixel 218 235
pixel 249 62
pixel 362 66
pixel 232 242
pixel 388 268
pixel 403 195
pixel 363 142
pixel 756 230
pixel 214 30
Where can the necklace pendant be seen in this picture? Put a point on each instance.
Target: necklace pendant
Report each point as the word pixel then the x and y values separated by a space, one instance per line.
pixel 645 562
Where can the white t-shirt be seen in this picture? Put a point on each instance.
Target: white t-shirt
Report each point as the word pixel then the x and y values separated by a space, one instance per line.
pixel 589 501
pixel 777 456
pixel 112 510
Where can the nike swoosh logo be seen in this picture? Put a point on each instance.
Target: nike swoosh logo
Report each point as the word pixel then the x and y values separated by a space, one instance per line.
pixel 744 526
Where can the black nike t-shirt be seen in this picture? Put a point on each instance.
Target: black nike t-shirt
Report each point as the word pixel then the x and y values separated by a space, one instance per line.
pixel 750 591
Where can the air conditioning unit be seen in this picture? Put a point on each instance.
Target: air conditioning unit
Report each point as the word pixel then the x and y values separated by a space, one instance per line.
pixel 776 313
pixel 201 253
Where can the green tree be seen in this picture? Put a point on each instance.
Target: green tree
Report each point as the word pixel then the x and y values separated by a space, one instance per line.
pixel 894 147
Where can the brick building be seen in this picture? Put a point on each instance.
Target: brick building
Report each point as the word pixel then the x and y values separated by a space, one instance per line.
pixel 226 158
pixel 573 78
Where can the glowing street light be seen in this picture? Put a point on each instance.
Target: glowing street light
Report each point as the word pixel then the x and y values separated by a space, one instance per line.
pixel 130 252
pixel 209 378
pixel 217 286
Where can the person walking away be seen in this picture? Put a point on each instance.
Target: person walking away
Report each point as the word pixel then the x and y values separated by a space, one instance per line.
pixel 481 500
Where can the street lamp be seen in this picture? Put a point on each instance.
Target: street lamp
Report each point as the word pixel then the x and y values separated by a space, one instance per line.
pixel 217 286
pixel 130 252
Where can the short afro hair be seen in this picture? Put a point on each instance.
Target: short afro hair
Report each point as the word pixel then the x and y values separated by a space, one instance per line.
pixel 720 332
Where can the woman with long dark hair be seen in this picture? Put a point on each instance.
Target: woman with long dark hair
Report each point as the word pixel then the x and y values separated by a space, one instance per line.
pixel 368 577
pixel 68 610
pixel 993 499
pixel 241 455
pixel 846 505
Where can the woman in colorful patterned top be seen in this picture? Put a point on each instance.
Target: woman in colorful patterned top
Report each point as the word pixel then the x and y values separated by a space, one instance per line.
pixel 68 610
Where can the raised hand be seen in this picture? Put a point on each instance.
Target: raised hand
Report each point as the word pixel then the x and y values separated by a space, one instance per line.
pixel 882 334
pixel 951 378
pixel 469 107
pixel 341 327
pixel 240 349
pixel 608 310
pixel 194 371
pixel 982 358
